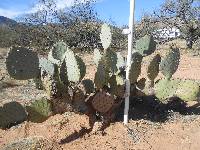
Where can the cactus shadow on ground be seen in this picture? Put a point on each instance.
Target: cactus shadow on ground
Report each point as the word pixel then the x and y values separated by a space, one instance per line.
pixel 75 135
pixel 4 85
pixel 145 108
pixel 149 108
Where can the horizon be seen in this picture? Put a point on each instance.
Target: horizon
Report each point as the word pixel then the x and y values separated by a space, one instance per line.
pixel 116 11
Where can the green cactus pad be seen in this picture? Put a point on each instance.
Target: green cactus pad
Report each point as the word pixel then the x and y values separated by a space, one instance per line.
pixel 188 90
pixel 63 73
pixel 120 61
pixel 50 85
pixel 146 45
pixel 53 60
pixel 22 63
pixel 153 68
pixel 97 56
pixel 117 86
pixel 111 61
pixel 12 113
pixel 82 67
pixel 88 85
pixel 39 110
pixel 135 69
pixel 165 88
pixel 102 75
pixel 105 36
pixel 75 66
pixel 56 55
pixel 170 63
pixel 47 66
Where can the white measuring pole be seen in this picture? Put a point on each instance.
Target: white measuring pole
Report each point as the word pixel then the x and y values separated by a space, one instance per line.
pixel 128 65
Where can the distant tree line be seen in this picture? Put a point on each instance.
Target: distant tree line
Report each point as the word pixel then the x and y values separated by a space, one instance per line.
pixel 79 25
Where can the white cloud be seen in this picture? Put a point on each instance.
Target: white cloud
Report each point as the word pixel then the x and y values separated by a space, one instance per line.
pixel 60 4
pixel 10 13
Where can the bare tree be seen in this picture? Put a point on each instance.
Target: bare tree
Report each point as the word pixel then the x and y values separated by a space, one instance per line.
pixel 183 14
pixel 76 25
pixel 146 26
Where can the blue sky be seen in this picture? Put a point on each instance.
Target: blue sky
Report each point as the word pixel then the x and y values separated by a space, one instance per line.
pixel 116 10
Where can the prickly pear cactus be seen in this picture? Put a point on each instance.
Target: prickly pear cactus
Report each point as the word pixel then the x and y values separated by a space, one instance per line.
pixel 12 113
pixel 188 90
pixel 153 67
pixel 56 55
pixel 39 110
pixel 102 102
pixel 146 45
pixel 165 88
pixel 184 89
pixel 49 85
pixel 46 65
pixel 135 67
pixel 111 61
pixel 117 86
pixel 102 75
pixel 22 63
pixel 120 61
pixel 63 73
pixel 88 86
pixel 170 63
pixel 97 56
pixel 75 66
pixel 82 67
pixel 105 36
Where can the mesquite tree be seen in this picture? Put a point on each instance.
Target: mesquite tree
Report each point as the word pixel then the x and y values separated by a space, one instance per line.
pixel 183 14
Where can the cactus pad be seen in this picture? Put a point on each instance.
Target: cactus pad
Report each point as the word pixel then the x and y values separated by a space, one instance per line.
pixel 63 73
pixel 102 102
pixel 53 60
pixel 75 66
pixel 170 63
pixel 105 36
pixel 153 68
pixel 57 52
pixel 88 85
pixel 111 61
pixel 188 90
pixel 97 56
pixel 117 86
pixel 82 67
pixel 102 75
pixel 47 66
pixel 135 67
pixel 39 110
pixel 11 114
pixel 146 45
pixel 22 64
pixel 184 89
pixel 165 88
pixel 49 85
pixel 120 61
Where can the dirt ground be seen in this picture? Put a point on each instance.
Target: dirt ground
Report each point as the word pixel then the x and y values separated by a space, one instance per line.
pixel 153 125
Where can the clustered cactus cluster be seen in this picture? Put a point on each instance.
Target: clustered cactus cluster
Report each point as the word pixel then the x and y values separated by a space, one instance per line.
pixel 63 71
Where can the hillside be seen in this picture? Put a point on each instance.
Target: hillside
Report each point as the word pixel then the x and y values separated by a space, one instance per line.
pixel 7 21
